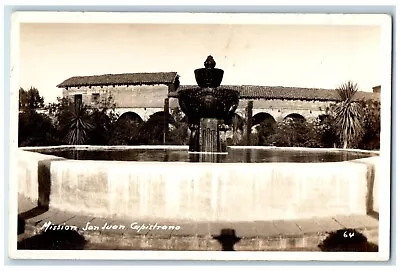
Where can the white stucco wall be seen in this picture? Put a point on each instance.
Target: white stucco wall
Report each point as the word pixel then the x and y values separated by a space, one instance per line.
pixel 201 191
pixel 125 96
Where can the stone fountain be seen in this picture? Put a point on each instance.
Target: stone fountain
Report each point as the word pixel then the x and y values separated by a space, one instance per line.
pixel 178 190
pixel 209 108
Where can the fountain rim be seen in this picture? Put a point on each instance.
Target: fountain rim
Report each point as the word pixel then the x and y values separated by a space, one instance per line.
pixel 185 147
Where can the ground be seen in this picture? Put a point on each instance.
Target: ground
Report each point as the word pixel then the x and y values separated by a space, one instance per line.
pixel 283 235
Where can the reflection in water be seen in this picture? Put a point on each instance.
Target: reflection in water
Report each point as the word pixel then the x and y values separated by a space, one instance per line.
pixel 194 157
pixel 248 156
pixel 166 156
pixel 233 156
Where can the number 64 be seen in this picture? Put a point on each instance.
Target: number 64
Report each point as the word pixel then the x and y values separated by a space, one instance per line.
pixel 346 235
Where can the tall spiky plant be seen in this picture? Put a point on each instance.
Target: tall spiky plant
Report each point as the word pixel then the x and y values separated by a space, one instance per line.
pixel 348 114
pixel 79 127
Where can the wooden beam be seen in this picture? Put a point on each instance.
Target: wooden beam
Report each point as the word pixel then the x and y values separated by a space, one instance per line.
pixel 166 120
pixel 249 122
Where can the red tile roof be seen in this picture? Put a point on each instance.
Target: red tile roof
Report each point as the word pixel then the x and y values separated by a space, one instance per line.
pixel 120 79
pixel 288 93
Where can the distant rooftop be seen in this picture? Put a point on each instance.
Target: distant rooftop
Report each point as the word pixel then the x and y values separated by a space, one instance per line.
pixel 245 91
pixel 120 79
pixel 288 93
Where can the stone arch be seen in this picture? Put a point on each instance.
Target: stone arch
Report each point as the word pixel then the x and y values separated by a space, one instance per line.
pixel 160 116
pixel 130 117
pixel 295 117
pixel 154 128
pixel 262 120
pixel 262 117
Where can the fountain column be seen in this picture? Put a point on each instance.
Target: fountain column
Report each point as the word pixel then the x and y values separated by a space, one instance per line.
pixel 209 135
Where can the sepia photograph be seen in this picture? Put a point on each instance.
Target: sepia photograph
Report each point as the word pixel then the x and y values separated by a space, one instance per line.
pixel 192 136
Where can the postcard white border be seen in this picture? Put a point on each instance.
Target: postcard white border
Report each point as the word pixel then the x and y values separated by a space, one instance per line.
pixel 384 21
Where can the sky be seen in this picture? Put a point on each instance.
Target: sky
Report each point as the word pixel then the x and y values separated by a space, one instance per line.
pixel 313 56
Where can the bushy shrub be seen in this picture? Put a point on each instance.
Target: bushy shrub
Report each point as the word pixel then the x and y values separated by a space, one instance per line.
pixel 35 129
pixel 178 133
pixel 315 133
pixel 99 125
pixel 104 119
pixel 151 132
pixel 102 129
pixel 294 133
pixel 372 125
pixel 264 131
pixel 324 125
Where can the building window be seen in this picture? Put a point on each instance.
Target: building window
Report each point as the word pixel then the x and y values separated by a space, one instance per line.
pixel 95 97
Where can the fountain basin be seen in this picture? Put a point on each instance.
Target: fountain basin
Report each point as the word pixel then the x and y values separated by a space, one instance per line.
pixel 216 102
pixel 182 191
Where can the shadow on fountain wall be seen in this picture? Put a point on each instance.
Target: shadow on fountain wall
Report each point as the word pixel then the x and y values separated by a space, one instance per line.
pixel 44 180
pixel 54 240
pixel 227 239
pixel 44 190
pixel 58 239
pixel 344 240
pixel 347 240
pixel 370 190
pixel 370 193
pixel 350 240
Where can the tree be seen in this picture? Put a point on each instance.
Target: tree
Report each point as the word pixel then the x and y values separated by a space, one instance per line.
pixel 30 99
pixel 34 129
pixel 348 115
pixel 178 132
pixel 372 125
pixel 325 128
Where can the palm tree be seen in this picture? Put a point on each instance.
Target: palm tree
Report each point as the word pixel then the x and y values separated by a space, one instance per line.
pixel 348 114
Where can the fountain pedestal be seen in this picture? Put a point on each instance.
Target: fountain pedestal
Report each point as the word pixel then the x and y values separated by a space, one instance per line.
pixel 209 135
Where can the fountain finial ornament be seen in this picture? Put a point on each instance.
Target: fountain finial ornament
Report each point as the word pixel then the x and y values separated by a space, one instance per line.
pixel 210 62
pixel 209 77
